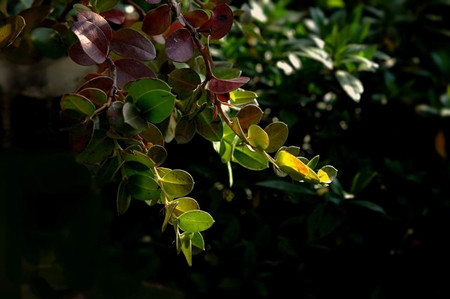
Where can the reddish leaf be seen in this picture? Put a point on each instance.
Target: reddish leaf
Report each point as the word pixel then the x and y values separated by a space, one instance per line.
pixel 129 43
pixel 102 82
pixel 97 20
pixel 153 1
pixel 224 97
pixel 220 23
pixel 175 26
pixel 92 39
pixel 157 20
pixel 114 15
pixel 80 135
pixel 197 18
pixel 220 86
pixel 179 46
pixel 249 115
pixel 78 55
pixel 130 70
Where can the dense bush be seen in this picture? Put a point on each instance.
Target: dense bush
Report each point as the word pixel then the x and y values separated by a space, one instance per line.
pixel 364 85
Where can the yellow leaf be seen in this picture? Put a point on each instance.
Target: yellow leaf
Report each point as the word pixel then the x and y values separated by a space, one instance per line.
pixel 323 176
pixel 312 176
pixel 291 165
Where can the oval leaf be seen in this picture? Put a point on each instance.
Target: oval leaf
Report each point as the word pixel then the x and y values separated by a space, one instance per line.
pixel 153 135
pixel 197 18
pixel 158 154
pixel 102 82
pixel 78 103
pixel 242 97
pixel 98 149
pixel 210 129
pixel 132 117
pixel 278 134
pixel 157 20
pixel 291 165
pixel 97 20
pixel 140 158
pixel 226 85
pixel 77 54
pixel 129 43
pixel 257 137
pixel 143 187
pixel 177 183
pixel 92 40
pixel 195 221
pixel 179 46
pixel 185 130
pixel 327 174
pixel 184 81
pixel 249 158
pixel 249 115
pixel 130 70
pixel 185 204
pixel 156 105
pixel 137 88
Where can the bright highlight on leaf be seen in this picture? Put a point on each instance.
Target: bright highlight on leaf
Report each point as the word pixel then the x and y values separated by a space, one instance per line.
pixel 291 165
pixel 195 221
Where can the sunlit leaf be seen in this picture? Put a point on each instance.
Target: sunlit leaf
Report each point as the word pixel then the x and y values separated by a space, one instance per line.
pixel 250 159
pixel 221 72
pixel 77 54
pixel 177 183
pixel 143 187
pixel 78 103
pixel 92 40
pixel 185 204
pixel 278 134
pixel 242 97
pixel 179 46
pixel 131 44
pixel 249 115
pixel 291 165
pixel 257 137
pixel 208 128
pixel 350 84
pixel 123 198
pixel 156 105
pixel 226 85
pixel 97 20
pixel 157 20
pixel 186 247
pixel 197 240
pixel 168 212
pixel 195 221
pixel 130 70
pixel 327 174
pixel 318 54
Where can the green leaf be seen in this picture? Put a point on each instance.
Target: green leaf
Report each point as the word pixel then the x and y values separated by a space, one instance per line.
pixel 184 81
pixel 257 137
pixel 11 30
pixel 168 212
pixel 158 154
pixel 327 174
pixel 97 96
pixel 185 130
pixel 313 162
pixel 78 103
pixel 350 84
pixel 123 198
pixel 186 247
pixel 291 165
pixel 153 135
pixel 185 204
pixel 249 158
pixel 361 180
pixel 140 87
pixel 317 54
pixel 104 5
pixel 98 149
pixel 226 72
pixel 138 157
pixel 249 115
pixel 132 117
pixel 156 105
pixel 197 240
pixel 177 183
pixel 143 187
pixel 195 221
pixel 286 187
pixel 208 128
pixel 242 97
pixel 369 205
pixel 278 134
pixel 47 42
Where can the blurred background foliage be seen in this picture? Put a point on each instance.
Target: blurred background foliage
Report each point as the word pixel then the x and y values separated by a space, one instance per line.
pixel 379 231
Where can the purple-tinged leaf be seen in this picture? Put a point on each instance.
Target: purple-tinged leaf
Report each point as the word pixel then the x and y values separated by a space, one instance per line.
pixel 102 82
pixel 175 26
pixel 77 54
pixel 97 20
pixel 223 86
pixel 131 44
pixel 114 15
pixel 92 39
pixel 157 20
pixel 220 22
pixel 130 70
pixel 197 18
pixel 179 46
pixel 34 16
pixel 152 1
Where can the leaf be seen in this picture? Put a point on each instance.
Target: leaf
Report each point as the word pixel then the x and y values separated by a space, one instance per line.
pixel 278 134
pixel 185 204
pixel 156 105
pixel 92 40
pixel 130 70
pixel 184 81
pixel 140 158
pixel 249 115
pixel 236 127
pixel 153 135
pixel 369 205
pixel 221 21
pixel 186 248
pixel 350 84
pixel 47 42
pixel 226 85
pixel 158 154
pixel 102 82
pixel 153 1
pixel 34 16
pixel 249 158
pixel 131 44
pixel 327 174
pixel 97 20
pixel 115 116
pixel 286 187
pixel 98 149
pixel 197 240
pixel 196 17
pixel 77 54
pixel 313 162
pixel 107 171
pixel 114 15
pixel 137 88
pixel 11 30
pixel 195 221
pixel 319 55
pixel 123 198
pixel 157 20
pixel 78 103
pixel 143 187
pixel 177 183
pixel 168 212
pixel 97 96
pixel 291 165
pixel 103 5
pixel 221 72
pixel 132 117
pixel 208 128
pixel 80 135
pixel 179 46
pixel 257 137
pixel 185 130
pixel 361 180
